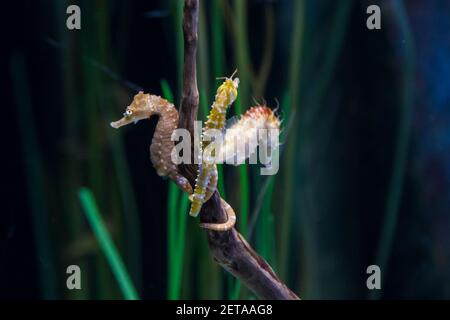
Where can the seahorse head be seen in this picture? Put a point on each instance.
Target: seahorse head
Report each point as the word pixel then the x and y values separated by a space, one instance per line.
pixel 228 89
pixel 142 107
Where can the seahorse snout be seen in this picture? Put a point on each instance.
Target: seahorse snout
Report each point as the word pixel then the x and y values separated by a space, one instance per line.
pixel 119 123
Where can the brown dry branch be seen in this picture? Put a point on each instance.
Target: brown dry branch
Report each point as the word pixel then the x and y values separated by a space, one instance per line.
pixel 228 248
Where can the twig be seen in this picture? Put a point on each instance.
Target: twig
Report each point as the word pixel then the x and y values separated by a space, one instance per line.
pixel 228 248
pixel 189 99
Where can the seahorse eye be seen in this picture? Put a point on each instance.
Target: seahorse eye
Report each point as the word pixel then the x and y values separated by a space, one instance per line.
pixel 128 113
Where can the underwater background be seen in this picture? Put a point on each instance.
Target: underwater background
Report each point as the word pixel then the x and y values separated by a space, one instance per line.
pixel 364 168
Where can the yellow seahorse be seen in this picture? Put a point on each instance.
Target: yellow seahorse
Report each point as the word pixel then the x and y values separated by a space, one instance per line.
pixel 143 107
pixel 206 181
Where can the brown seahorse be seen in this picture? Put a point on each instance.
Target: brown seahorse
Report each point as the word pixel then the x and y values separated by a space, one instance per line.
pixel 143 107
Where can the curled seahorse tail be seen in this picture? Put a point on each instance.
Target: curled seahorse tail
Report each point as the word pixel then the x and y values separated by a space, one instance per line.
pixel 228 225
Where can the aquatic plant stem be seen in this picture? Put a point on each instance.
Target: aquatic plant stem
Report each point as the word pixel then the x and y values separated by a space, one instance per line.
pixel 401 144
pixel 172 198
pixel 218 69
pixel 294 80
pixel 260 79
pixel 128 203
pixel 176 226
pixel 314 109
pixel 35 180
pixel 106 244
pixel 243 64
